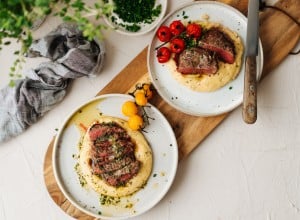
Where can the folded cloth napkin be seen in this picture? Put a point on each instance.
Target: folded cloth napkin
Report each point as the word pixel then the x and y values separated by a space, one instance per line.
pixel 71 56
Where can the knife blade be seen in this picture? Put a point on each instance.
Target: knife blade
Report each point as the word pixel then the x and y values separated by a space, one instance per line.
pixel 249 108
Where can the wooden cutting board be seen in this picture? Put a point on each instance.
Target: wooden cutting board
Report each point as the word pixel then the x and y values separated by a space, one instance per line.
pixel 279 34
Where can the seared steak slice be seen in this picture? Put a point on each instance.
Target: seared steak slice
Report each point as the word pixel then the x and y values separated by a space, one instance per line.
pixel 112 154
pixel 196 61
pixel 117 165
pixel 104 129
pixel 217 41
pixel 121 176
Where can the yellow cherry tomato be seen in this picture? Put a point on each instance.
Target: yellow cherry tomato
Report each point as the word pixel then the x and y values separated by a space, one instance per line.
pixel 129 108
pixel 146 87
pixel 135 122
pixel 149 94
pixel 140 98
pixel 148 91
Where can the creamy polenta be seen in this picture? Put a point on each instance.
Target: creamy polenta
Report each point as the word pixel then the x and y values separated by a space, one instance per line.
pixel 142 153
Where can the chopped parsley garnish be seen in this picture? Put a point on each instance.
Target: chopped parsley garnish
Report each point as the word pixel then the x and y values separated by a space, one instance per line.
pixel 81 179
pixel 109 200
pixel 137 12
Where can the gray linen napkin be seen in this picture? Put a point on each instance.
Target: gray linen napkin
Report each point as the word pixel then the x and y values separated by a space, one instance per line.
pixel 71 56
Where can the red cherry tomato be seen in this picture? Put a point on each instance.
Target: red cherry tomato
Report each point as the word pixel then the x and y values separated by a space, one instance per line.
pixel 193 30
pixel 163 33
pixel 176 27
pixel 163 54
pixel 177 45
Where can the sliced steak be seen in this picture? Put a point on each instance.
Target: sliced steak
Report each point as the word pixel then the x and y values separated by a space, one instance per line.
pixel 121 176
pixel 112 154
pixel 196 61
pixel 217 41
pixel 118 164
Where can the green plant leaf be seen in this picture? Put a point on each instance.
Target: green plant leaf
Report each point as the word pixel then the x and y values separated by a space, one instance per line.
pixel 17 17
pixel 12 83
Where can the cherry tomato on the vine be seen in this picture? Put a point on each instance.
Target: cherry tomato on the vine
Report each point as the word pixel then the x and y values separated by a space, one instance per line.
pixel 193 30
pixel 163 33
pixel 177 45
pixel 163 54
pixel 176 27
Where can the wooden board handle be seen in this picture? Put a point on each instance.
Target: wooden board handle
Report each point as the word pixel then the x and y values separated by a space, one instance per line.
pixel 250 91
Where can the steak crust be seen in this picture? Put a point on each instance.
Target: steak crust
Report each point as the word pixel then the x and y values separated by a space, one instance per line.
pixel 197 61
pixel 216 40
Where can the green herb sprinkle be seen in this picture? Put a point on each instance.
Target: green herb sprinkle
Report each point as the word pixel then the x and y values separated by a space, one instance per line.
pixel 136 12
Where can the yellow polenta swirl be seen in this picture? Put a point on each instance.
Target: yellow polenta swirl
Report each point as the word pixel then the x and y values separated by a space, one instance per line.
pixel 142 153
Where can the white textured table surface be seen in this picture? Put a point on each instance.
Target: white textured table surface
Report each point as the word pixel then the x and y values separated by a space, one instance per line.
pixel 239 172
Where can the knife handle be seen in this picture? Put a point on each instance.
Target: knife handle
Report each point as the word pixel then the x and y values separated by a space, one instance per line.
pixel 250 91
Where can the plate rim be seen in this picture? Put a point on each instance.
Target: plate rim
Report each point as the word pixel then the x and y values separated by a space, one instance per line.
pixel 68 195
pixel 260 59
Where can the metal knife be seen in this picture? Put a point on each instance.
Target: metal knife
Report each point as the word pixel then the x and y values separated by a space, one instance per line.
pixel 250 84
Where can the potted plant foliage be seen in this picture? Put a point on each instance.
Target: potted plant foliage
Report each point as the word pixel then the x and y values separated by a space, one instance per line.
pixel 18 17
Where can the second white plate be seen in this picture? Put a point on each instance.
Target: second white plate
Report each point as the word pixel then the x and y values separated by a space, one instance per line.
pixel 182 98
pixel 160 136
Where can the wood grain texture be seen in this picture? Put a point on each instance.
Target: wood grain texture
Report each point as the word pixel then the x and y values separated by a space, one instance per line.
pixel 250 91
pixel 279 34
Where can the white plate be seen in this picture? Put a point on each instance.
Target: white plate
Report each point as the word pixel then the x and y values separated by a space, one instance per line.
pixel 145 28
pixel 161 138
pixel 179 96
